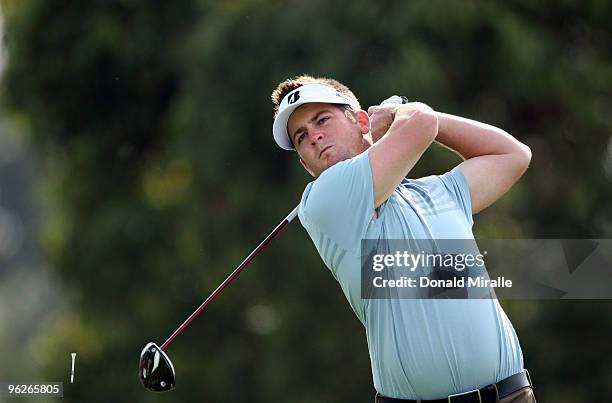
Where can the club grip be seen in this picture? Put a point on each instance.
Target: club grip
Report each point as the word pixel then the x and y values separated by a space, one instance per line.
pixel 395 99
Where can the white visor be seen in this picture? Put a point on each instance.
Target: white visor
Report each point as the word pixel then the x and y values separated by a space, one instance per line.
pixel 305 94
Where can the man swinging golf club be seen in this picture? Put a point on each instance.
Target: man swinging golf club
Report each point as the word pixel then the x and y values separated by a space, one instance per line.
pixel 425 350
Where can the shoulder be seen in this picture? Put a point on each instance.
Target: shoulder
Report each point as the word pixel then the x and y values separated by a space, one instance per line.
pixel 454 177
pixel 443 191
pixel 346 179
pixel 340 203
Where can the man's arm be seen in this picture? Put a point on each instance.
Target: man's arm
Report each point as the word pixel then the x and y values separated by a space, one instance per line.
pixel 412 131
pixel 494 160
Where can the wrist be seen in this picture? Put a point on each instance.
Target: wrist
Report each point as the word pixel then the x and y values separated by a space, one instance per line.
pixel 409 109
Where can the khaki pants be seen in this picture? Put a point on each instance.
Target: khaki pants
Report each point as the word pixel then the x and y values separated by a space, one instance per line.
pixel 524 395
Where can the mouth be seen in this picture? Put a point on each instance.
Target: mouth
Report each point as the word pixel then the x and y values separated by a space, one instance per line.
pixel 323 150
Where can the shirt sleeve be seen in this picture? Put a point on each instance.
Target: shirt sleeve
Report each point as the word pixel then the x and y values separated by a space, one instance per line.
pixel 456 184
pixel 340 203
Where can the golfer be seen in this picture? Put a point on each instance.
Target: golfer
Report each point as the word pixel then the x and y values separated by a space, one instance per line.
pixel 421 350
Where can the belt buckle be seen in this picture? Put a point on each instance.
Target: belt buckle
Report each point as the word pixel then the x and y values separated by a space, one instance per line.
pixel 450 397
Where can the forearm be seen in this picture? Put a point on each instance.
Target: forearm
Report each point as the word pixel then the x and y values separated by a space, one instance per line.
pixel 470 138
pixel 413 130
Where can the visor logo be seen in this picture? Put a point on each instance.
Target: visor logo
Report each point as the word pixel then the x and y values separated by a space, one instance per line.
pixel 293 97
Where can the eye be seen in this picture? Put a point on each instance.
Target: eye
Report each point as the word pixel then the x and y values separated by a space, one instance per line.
pixel 300 137
pixel 323 120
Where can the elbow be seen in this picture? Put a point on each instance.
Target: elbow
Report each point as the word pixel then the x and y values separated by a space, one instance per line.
pixel 432 124
pixel 525 154
pixel 521 159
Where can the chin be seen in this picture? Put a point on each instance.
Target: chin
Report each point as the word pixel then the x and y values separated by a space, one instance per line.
pixel 333 161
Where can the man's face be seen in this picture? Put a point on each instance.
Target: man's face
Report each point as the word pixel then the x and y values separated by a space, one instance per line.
pixel 323 135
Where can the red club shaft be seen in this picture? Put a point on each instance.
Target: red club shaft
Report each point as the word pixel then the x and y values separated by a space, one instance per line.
pixel 233 275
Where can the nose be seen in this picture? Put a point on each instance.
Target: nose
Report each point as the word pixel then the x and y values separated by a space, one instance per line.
pixel 314 134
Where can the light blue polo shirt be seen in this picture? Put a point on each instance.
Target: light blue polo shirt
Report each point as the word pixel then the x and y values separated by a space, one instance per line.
pixel 419 348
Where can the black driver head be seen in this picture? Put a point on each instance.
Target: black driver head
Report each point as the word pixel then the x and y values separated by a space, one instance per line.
pixel 156 370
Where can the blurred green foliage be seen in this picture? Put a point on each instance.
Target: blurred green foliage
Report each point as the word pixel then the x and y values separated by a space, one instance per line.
pixel 152 123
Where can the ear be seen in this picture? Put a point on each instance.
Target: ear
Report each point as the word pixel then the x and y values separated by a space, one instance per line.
pixel 363 121
pixel 307 169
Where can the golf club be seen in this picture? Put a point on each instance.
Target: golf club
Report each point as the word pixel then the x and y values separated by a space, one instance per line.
pixel 156 370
